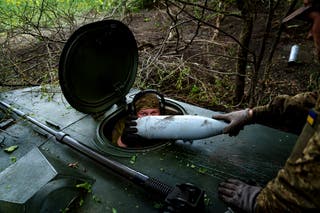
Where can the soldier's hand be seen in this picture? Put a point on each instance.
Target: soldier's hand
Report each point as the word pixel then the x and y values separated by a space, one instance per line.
pixel 238 195
pixel 237 120
pixel 129 136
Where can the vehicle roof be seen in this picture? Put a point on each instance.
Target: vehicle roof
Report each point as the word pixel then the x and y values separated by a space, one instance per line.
pixel 255 154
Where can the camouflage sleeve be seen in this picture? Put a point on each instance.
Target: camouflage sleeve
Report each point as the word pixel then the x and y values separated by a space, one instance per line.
pixel 297 186
pixel 287 113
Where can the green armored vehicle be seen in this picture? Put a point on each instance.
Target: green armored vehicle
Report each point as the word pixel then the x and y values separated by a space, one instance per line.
pixel 57 155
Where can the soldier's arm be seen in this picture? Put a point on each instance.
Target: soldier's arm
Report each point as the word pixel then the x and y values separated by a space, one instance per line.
pixel 285 112
pixel 296 188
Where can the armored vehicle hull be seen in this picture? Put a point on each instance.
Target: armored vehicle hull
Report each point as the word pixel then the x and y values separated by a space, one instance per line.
pixel 29 173
pixel 41 173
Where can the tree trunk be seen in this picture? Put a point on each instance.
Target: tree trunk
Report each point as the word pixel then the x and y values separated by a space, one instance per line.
pixel 243 50
pixel 257 65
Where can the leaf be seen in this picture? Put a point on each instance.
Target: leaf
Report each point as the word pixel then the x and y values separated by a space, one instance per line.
pixel 81 202
pixel 114 210
pixel 202 170
pixel 74 165
pixel 133 159
pixel 96 199
pixel 64 210
pixel 11 149
pixel 195 89
pixel 87 186
pixel 157 205
pixel 13 159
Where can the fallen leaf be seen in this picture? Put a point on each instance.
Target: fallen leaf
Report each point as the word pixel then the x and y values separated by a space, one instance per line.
pixel 13 159
pixel 133 159
pixel 11 149
pixel 87 186
pixel 96 199
pixel 74 165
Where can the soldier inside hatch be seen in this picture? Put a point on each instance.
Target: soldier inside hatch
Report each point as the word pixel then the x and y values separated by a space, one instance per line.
pixel 145 103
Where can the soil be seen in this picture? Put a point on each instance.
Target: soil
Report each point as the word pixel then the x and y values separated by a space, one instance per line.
pixel 284 78
pixel 203 73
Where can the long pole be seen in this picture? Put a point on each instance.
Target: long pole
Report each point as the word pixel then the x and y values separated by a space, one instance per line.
pixel 160 188
pixel 181 198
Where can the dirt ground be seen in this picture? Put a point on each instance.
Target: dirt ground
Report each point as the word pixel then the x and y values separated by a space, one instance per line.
pixel 203 73
pixel 209 67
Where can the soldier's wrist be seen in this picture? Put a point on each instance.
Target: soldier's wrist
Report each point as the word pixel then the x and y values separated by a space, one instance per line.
pixel 260 113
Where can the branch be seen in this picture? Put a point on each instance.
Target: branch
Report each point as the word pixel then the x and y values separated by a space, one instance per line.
pixel 198 27
pixel 209 9
pixel 215 27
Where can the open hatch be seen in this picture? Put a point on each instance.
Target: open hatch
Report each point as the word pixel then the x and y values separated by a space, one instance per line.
pixel 97 69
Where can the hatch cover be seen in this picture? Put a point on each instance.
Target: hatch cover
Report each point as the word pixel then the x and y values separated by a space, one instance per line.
pixel 98 65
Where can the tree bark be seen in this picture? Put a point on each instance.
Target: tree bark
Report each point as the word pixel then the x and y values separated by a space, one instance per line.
pixel 243 51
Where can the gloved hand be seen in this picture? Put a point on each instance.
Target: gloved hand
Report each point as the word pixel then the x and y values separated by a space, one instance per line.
pixel 237 120
pixel 129 136
pixel 239 195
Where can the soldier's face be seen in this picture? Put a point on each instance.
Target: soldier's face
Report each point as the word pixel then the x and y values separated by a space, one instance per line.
pixel 148 112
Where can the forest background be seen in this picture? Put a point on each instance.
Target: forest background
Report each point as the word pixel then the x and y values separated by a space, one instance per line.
pixel 221 55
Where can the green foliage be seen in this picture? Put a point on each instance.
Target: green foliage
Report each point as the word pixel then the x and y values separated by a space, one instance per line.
pixel 13 159
pixel 16 13
pixel 65 210
pixel 133 159
pixel 182 76
pixel 96 199
pixel 87 186
pixel 136 5
pixel 230 1
pixel 11 149
pixel 35 13
pixel 39 28
pixel 195 89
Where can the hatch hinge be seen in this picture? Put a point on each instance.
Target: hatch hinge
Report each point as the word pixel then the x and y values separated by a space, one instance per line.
pixel 118 88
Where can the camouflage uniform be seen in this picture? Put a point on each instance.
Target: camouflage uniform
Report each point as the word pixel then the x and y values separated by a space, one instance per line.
pixel 297 186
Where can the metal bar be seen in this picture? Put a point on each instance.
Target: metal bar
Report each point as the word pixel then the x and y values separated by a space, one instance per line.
pixel 134 176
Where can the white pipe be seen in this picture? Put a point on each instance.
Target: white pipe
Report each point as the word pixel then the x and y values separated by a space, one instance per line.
pixel 183 127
